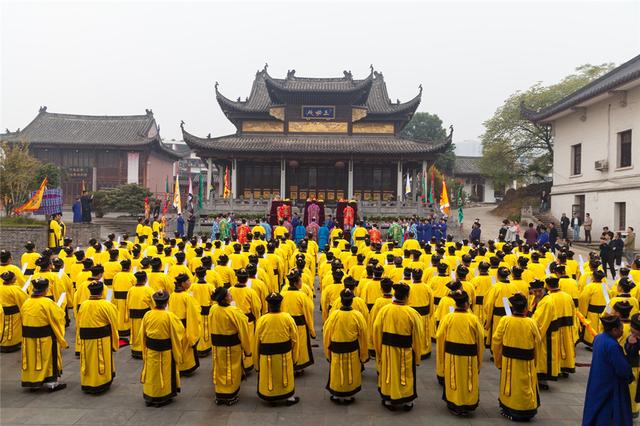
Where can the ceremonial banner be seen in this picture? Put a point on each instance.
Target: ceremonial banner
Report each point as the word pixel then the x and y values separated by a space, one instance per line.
pixel 460 203
pixel 227 186
pixel 200 191
pixel 176 196
pixel 444 198
pixel 51 201
pixel 34 202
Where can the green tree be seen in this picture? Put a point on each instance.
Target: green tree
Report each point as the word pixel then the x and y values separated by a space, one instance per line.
pixel 428 127
pixel 16 169
pixel 514 146
pixel 51 172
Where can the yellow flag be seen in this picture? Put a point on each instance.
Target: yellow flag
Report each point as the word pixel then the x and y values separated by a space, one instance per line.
pixel 34 203
pixel 444 199
pixel 176 196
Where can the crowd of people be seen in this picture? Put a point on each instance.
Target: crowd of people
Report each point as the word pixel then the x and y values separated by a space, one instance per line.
pixel 247 296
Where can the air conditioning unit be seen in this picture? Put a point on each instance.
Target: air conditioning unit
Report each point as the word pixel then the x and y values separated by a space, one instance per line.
pixel 602 165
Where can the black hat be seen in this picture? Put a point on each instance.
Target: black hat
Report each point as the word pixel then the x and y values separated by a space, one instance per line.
pixel 635 322
pixel 223 259
pixel 484 266
pixel 346 297
pixel 610 322
pixel 156 262
pixel 293 276
pixel 536 284
pixel 454 285
pixel 7 276
pixel 598 274
pixel 552 282
pixel 161 297
pixel 460 297
pixel 181 279
pixel 623 307
pixel 518 302
pixel 274 300
pixel 503 272
pixel 40 285
pixel 442 268
pixel 219 295
pixel 29 245
pixel 141 276
pixel 349 282
pixel 242 274
pixel 401 290
pixel 626 284
pixel 96 288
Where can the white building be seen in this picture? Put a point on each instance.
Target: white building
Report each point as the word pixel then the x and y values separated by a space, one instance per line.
pixel 476 186
pixel 596 165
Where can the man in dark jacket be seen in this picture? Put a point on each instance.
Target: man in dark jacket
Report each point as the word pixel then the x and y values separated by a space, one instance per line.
pixel 553 236
pixel 564 225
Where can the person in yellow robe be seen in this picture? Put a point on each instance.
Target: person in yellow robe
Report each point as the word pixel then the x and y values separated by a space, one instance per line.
pixel 482 283
pixel 460 343
pixel 29 258
pixel 6 265
pixel 163 340
pixel 11 299
pixel 202 292
pixel 275 352
pixel 397 337
pixel 157 279
pixel 565 311
pixel 186 308
pixel 229 334
pixel 98 325
pixel 592 303
pixel 345 346
pixel 514 351
pixel 420 299
pixel 542 310
pixel 42 338
pixel 55 232
pixel 122 283
pixel 494 302
pixel 300 307
pixel 139 302
pixel 248 302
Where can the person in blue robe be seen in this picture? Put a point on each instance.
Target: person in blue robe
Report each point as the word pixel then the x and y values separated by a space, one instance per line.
pixel 428 231
pixel 323 236
pixel 267 228
pixel 443 228
pixel 180 225
pixel 301 232
pixel 77 211
pixel 436 231
pixel 329 223
pixel 607 401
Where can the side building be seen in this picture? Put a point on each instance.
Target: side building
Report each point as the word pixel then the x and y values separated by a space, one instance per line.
pixel 99 151
pixel 323 138
pixel 476 185
pixel 596 157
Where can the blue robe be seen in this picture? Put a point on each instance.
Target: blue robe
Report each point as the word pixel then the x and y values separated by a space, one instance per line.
pixel 301 232
pixel 77 212
pixel 607 400
pixel 443 229
pixel 428 231
pixel 437 231
pixel 180 225
pixel 323 237
pixel 215 229
pixel 267 230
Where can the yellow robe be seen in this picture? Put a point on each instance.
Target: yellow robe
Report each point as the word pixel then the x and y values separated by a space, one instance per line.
pixel 122 282
pixel 11 299
pixel 494 307
pixel 160 281
pixel 55 234
pixel 42 339
pixel 246 299
pixel 460 344
pixel 231 341
pixel 591 304
pixel 345 346
pixel 275 352
pixel 514 345
pixel 397 336
pixel 482 284
pixel 163 339
pixel 565 311
pixel 20 279
pixel 381 302
pixel 300 307
pixel 98 324
pixel 139 301
pixel 420 299
pixel 202 293
pixel 186 308
pixel 547 358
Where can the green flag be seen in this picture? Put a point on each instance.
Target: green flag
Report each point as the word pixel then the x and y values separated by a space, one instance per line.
pixel 166 185
pixel 200 191
pixel 460 203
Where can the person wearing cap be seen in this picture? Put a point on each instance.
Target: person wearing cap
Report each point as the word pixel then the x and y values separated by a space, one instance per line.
pixel 494 302
pixel 11 300
pixel 481 283
pixel 6 265
pixel 514 345
pixel 634 273
pixel 163 342
pixel 226 273
pixel 231 341
pixel 29 258
pixel 187 309
pixel 249 303
pixel 97 324
pixel 459 349
pixel 607 400
pixel 180 267
pixel 397 337
pixel 42 338
pixel 438 286
pixel 447 303
pixel 139 302
pixel 386 289
pixel 157 279
pixel 111 266
pixel 420 299
pixel 331 291
pixel 565 312
pixel 55 285
pixel 122 282
pixel 275 353
pixel 296 303
pixel 357 303
pixel 624 288
pixel 58 268
pixel 55 232
pixel 592 303
pixel 202 292
pixel 542 311
pixel 345 346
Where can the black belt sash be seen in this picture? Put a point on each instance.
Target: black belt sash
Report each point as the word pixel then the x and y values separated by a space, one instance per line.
pixel 120 295
pixel 436 300
pixel 499 311
pixel 576 302
pixel 299 319
pixel 138 313
pixel 87 333
pixel 422 310
pixel 29 271
pixel 225 339
pixel 518 353
pixel 37 332
pixel 397 340
pixel 158 345
pixel 479 300
pixel 561 322
pixel 108 282
pixel 359 239
pixel 275 348
pixel 344 347
pixel 252 318
pixel 204 310
pixel 461 349
pixel 596 309
pixel 11 310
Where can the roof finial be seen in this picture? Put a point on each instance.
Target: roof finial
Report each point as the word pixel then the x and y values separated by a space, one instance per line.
pixel 181 124
pixel 149 111
pixel 450 137
pixel 420 87
pixel 209 136
pixel 7 130
pixel 43 108
pixel 216 86
pixel 266 65
pixel 291 74
pixel 371 67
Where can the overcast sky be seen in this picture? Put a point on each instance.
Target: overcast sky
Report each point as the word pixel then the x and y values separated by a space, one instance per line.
pixel 120 58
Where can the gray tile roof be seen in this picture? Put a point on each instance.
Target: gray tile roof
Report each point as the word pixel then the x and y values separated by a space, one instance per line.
pixel 311 144
pixel 465 166
pixel 623 74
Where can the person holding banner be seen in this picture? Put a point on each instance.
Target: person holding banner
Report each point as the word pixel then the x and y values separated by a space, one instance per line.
pixel 55 232
pixel 11 299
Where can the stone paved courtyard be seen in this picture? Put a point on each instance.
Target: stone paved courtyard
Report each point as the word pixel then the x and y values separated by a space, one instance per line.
pixel 123 404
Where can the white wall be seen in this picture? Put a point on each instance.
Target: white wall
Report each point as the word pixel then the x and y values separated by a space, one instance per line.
pixel 598 135
pixel 488 190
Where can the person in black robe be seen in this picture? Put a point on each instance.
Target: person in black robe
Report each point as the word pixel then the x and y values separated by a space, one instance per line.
pixel 86 200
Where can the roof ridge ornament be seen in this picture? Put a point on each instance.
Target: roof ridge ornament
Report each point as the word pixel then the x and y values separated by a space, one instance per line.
pixel 450 136
pixel 216 86
pixel 182 125
pixel 43 108
pixel 420 87
pixel 266 65
pixel 371 68
pixel 348 75
pixel 149 111
pixel 291 74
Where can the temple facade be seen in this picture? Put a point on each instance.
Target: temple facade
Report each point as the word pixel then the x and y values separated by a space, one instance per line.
pixel 324 138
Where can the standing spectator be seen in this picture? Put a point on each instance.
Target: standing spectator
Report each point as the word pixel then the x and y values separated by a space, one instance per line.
pixel 629 245
pixel 617 247
pixel 588 223
pixel 191 223
pixel 564 225
pixel 544 201
pixel 530 235
pixel 502 233
pixel 475 232
pixel 575 226
pixel 553 236
pixel 77 211
pixel 543 238
pixel 180 225
pixel 606 254
pixel 85 202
